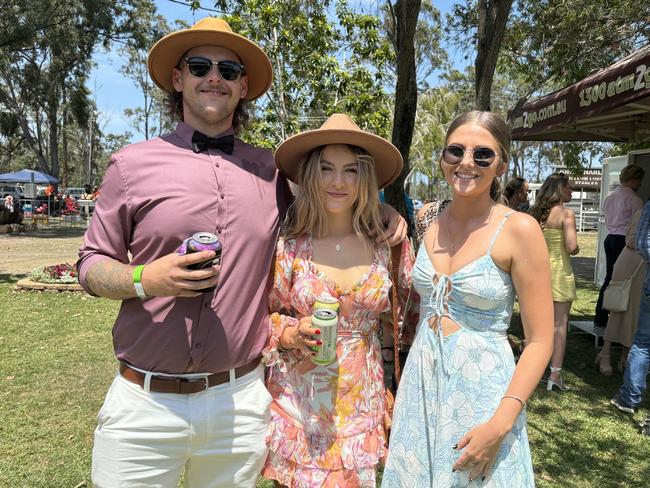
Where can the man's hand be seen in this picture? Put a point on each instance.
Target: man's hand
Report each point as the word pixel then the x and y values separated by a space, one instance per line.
pixel 396 227
pixel 168 276
pixel 164 277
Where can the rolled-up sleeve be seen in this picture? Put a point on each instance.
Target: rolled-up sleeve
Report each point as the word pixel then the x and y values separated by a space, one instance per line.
pixel 109 232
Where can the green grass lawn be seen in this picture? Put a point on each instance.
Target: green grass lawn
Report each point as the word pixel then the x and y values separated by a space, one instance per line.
pixel 56 363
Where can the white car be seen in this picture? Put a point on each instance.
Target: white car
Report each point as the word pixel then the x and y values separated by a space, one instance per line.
pixel 14 190
pixel 75 193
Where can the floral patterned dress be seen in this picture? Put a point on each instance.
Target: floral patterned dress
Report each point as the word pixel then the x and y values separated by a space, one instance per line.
pixel 327 421
pixel 455 382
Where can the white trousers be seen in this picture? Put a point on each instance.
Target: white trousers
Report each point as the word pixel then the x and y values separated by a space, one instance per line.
pixel 218 435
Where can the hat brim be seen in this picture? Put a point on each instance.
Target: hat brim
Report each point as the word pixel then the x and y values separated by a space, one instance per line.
pixel 166 54
pixel 294 151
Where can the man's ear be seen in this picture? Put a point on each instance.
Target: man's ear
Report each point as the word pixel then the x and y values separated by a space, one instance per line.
pixel 177 79
pixel 243 81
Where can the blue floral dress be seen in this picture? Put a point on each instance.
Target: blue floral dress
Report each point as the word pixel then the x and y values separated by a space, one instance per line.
pixel 453 383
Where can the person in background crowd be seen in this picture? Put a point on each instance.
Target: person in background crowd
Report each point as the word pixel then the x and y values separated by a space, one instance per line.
pixel 516 193
pixel 190 395
pixel 618 208
pixel 621 326
pixel 327 420
pixel 459 415
pixel 630 394
pixel 559 227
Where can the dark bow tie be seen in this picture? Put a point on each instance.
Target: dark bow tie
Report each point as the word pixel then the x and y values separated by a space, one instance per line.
pixel 201 142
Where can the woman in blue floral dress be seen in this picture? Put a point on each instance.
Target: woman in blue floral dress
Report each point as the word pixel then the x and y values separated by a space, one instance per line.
pixel 459 416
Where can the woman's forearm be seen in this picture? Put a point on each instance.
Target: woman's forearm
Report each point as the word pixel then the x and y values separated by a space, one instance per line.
pixel 529 370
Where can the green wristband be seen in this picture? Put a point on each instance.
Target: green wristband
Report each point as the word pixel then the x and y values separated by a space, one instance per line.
pixel 137 281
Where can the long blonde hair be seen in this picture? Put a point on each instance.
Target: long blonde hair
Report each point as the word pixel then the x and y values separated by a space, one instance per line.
pixel 307 213
pixel 548 196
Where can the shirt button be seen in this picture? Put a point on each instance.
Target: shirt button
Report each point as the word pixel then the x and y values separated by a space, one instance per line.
pixel 197 345
pixel 222 196
pixel 216 164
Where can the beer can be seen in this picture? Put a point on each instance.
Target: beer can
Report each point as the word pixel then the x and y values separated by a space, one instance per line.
pixel 327 321
pixel 326 302
pixel 202 241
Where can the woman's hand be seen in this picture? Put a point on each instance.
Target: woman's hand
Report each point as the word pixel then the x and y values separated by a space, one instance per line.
pixel 302 337
pixel 480 448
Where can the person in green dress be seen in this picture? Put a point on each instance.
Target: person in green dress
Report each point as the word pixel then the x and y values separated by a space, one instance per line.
pixel 559 227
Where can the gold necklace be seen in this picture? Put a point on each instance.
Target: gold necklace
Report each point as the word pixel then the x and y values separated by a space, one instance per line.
pixel 452 245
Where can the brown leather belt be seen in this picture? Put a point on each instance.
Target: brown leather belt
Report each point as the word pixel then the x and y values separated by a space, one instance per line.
pixel 164 384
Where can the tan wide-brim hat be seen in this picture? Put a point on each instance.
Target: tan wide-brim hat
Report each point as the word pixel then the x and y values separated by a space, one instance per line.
pixel 339 129
pixel 211 31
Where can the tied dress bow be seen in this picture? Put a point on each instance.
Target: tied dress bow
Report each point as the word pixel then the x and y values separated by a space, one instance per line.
pixel 201 142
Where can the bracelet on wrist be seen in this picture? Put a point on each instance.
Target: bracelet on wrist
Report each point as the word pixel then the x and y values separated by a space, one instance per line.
pixel 137 281
pixel 523 403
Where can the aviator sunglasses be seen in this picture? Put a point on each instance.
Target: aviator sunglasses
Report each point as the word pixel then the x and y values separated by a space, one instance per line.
pixel 200 67
pixel 482 156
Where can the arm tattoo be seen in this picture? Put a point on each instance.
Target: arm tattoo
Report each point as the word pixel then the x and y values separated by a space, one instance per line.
pixel 111 279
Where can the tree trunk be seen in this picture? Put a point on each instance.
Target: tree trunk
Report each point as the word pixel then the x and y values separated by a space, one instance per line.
pixel 405 18
pixel 25 130
pixel 54 141
pixel 492 19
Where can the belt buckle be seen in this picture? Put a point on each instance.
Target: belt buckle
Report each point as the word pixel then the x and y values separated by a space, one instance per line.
pixel 196 380
pixel 205 381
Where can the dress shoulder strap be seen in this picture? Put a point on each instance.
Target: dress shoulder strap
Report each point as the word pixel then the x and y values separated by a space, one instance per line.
pixel 498 231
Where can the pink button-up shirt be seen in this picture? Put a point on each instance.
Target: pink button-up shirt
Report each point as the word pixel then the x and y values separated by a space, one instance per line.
pixel 154 195
pixel 619 207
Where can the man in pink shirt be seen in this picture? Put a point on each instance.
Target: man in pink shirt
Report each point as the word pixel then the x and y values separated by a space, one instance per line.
pixel 190 392
pixel 618 208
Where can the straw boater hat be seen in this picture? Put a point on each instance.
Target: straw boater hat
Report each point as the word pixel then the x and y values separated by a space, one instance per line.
pixel 166 54
pixel 339 129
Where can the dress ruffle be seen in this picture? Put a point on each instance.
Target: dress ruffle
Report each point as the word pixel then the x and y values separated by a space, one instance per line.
pixel 297 459
pixel 363 450
pixel 271 353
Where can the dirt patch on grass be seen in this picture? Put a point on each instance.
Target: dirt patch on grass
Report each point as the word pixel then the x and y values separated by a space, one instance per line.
pixel 23 252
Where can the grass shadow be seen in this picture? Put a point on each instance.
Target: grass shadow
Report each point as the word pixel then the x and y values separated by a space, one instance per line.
pixel 50 232
pixel 8 278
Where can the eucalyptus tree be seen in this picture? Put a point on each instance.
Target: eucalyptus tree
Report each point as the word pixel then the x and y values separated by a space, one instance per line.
pixel 150 118
pixel 45 61
pixel 326 58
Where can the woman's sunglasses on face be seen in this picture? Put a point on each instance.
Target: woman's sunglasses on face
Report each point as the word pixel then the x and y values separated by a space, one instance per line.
pixel 482 156
pixel 200 67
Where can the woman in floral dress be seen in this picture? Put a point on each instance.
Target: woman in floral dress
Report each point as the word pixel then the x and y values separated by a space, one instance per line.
pixel 459 413
pixel 327 422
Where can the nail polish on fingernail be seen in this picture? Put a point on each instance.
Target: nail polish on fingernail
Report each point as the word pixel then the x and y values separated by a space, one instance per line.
pixel 483 478
pixel 318 343
pixel 455 446
pixel 453 470
pixel 317 331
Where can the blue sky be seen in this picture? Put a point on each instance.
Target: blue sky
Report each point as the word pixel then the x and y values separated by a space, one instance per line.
pixel 113 92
